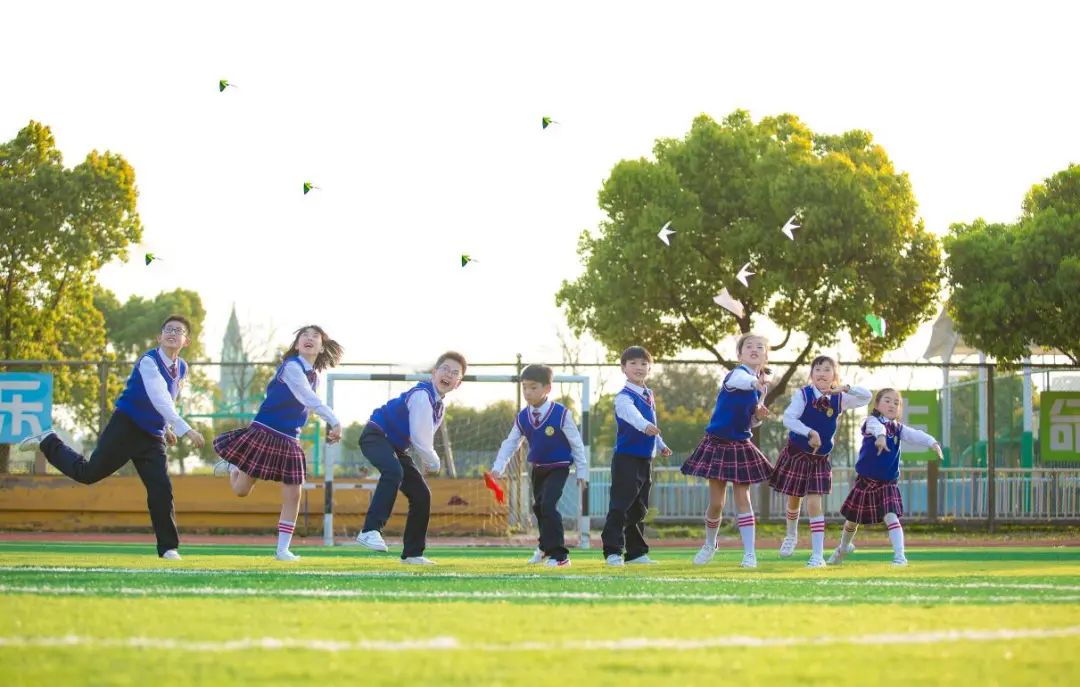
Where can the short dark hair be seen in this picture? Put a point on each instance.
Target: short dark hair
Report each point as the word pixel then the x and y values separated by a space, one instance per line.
pixel 635 353
pixel 456 357
pixel 541 374
pixel 178 318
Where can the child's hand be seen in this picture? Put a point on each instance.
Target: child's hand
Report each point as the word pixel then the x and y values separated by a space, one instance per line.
pixel 195 438
pixel 937 449
pixel 582 482
pixel 665 452
pixel 814 439
pixel 652 430
pixel 170 437
pixel 334 435
pixel 497 474
pixel 760 386
pixel 761 412
pixel 841 389
pixel 881 444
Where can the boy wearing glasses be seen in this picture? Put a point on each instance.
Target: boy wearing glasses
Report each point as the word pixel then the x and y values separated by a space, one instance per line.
pixel 408 420
pixel 145 419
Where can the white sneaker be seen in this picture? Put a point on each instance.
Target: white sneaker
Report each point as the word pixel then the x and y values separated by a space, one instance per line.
pixel 538 556
pixel 371 539
pixel 552 563
pixel 837 556
pixel 643 559
pixel 286 555
pixel 900 560
pixel 417 560
pixel 171 555
pixel 787 547
pixel 224 467
pixel 815 562
pixel 31 444
pixel 615 560
pixel 749 560
pixel 704 555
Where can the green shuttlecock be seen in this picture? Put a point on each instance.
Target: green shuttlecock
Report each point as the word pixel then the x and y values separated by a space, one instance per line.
pixel 547 121
pixel 222 84
pixel 308 186
pixel 877 324
pixel 465 259
pixel 150 257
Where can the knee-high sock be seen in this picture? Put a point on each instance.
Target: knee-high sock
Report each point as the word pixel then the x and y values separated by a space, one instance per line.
pixel 284 534
pixel 848 533
pixel 746 529
pixel 896 534
pixel 792 524
pixel 712 527
pixel 817 535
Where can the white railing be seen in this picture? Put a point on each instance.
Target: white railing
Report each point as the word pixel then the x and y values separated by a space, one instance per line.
pixel 1021 494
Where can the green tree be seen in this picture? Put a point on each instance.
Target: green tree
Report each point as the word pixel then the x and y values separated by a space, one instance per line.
pixel 685 386
pixel 132 328
pixel 1016 285
pixel 727 189
pixel 58 226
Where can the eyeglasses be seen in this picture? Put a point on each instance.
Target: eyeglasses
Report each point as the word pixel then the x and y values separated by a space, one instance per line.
pixel 174 330
pixel 446 370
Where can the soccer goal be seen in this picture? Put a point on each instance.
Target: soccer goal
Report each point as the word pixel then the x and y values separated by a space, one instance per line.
pixel 478 417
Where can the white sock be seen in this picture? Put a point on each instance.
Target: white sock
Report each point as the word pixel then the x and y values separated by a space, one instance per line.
pixel 284 534
pixel 847 534
pixel 896 534
pixel 793 524
pixel 712 527
pixel 746 529
pixel 817 535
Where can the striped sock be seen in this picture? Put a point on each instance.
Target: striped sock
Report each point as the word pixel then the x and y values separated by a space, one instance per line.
pixel 746 529
pixel 793 524
pixel 284 534
pixel 712 527
pixel 896 534
pixel 848 533
pixel 817 535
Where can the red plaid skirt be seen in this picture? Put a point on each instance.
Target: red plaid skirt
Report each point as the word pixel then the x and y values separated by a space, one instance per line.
pixel 263 454
pixel 870 499
pixel 799 473
pixel 738 462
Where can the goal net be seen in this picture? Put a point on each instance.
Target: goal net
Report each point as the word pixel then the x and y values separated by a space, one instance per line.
pixel 478 417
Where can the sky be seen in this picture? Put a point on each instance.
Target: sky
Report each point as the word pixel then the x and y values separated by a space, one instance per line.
pixel 420 124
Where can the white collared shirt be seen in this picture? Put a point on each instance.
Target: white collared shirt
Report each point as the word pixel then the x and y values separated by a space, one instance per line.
pixel 422 429
pixel 296 379
pixel 857 397
pixel 157 390
pixel 514 439
pixel 628 413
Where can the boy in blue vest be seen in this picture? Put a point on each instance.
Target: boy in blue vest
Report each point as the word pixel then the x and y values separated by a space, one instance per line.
pixel 144 421
pixel 408 420
pixel 554 443
pixel 637 441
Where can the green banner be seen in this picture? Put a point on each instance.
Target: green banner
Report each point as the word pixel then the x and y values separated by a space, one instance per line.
pixel 1059 425
pixel 921 410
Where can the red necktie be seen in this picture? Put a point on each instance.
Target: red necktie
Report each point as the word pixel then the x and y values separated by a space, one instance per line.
pixel 536 417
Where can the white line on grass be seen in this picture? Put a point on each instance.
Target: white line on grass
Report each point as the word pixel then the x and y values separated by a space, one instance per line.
pixel 454 644
pixel 426 574
pixel 496 595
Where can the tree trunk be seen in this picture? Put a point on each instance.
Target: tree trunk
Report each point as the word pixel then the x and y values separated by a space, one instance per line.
pixel 5 458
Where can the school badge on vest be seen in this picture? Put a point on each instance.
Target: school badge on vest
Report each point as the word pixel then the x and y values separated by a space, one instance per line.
pixel 829 412
pixel 549 431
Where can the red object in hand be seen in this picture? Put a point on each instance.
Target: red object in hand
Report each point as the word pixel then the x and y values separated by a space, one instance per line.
pixel 491 484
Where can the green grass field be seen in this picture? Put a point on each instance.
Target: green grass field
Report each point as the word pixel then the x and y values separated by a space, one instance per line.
pixel 113 614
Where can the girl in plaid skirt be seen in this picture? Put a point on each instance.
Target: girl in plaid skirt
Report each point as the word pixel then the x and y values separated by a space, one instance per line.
pixel 874 497
pixel 726 454
pixel 804 468
pixel 269 448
